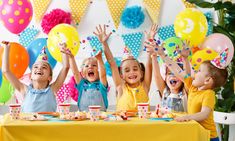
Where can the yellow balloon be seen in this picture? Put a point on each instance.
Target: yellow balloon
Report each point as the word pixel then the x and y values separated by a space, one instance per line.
pixel 63 33
pixel 191 24
pixel 201 56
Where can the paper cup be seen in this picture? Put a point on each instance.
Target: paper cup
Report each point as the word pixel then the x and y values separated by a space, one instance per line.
pixel 14 110
pixel 64 110
pixel 143 110
pixel 94 111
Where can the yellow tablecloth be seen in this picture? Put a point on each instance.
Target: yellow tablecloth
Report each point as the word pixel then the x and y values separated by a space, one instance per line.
pixel 132 130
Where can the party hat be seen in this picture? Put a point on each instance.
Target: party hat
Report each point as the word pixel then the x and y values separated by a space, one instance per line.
pixel 127 54
pixel 42 56
pixel 221 60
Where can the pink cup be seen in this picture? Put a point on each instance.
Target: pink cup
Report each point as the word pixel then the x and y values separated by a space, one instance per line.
pixel 143 110
pixel 64 110
pixel 94 111
pixel 14 110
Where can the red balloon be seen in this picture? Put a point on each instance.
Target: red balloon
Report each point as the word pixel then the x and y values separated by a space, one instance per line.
pixel 18 59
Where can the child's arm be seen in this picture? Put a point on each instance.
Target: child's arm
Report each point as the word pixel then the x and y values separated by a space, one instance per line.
pixel 64 71
pixel 185 53
pixel 103 37
pixel 6 70
pixel 200 116
pixel 148 71
pixel 173 66
pixel 102 71
pixel 74 68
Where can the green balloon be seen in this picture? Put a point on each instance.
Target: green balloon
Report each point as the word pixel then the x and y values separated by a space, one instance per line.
pixel 6 91
pixel 171 45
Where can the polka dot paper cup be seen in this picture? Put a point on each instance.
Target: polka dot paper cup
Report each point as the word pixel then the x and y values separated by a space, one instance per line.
pixel 64 110
pixel 94 111
pixel 143 110
pixel 14 110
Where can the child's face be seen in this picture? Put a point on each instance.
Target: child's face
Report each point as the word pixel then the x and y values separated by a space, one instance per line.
pixel 41 71
pixel 172 81
pixel 90 70
pixel 200 76
pixel 131 72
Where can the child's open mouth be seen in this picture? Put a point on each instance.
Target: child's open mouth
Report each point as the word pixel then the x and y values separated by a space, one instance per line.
pixel 38 73
pixel 173 82
pixel 132 77
pixel 91 74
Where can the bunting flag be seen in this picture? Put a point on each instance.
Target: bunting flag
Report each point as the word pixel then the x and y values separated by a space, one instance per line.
pixel 40 7
pixel 209 22
pixel 166 32
pixel 188 4
pixel 95 45
pixel 134 42
pixel 28 35
pixel 116 7
pixel 78 8
pixel 153 8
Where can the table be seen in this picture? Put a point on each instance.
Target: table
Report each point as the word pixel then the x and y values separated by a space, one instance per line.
pixel 132 130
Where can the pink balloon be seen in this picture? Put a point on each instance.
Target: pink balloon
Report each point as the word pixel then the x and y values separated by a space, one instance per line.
pixel 16 14
pixel 219 42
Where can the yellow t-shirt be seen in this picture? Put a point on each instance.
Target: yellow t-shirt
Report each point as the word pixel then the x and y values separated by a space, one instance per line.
pixel 130 98
pixel 199 98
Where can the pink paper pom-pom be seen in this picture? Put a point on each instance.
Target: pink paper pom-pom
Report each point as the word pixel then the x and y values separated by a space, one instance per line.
pixel 55 17
pixel 73 91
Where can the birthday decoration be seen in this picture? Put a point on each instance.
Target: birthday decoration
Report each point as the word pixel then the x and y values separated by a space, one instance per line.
pixel 78 8
pixel 108 68
pixel 6 91
pixel 134 42
pixel 28 35
pixel 95 44
pixel 191 25
pixel 34 50
pixel 153 8
pixel 73 91
pixel 173 45
pixel 132 17
pixel 116 7
pixel 40 7
pixel 201 56
pixel 219 42
pixel 210 23
pixel 166 32
pixel 18 59
pixel 221 60
pixel 63 33
pixel 55 17
pixel 188 4
pixel 15 15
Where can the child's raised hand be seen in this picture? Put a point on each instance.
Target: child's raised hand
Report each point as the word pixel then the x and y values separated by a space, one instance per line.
pixel 152 32
pixel 98 56
pixel 101 33
pixel 153 48
pixel 64 49
pixel 185 52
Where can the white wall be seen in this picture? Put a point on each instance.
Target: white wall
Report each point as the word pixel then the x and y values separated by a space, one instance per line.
pixel 98 13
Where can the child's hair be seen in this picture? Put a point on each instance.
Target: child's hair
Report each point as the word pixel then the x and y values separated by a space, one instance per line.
pixel 141 65
pixel 86 59
pixel 219 76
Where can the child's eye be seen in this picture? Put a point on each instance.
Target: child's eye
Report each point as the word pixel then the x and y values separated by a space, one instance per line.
pixel 135 69
pixel 127 70
pixel 94 65
pixel 86 66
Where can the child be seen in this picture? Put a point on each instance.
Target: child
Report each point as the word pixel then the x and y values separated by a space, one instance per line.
pixel 93 85
pixel 172 91
pixel 39 96
pixel 132 83
pixel 201 97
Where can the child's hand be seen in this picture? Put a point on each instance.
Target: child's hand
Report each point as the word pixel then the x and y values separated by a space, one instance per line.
pixel 185 52
pixel 64 49
pixel 152 32
pixel 153 48
pixel 98 56
pixel 182 119
pixel 101 33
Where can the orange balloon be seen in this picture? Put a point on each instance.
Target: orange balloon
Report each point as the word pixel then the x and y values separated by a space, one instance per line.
pixel 18 59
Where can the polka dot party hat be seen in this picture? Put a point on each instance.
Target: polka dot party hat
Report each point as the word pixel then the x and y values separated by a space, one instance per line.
pixel 127 54
pixel 42 56
pixel 220 61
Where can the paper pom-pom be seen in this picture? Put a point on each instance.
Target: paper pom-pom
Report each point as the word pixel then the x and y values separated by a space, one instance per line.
pixel 55 17
pixel 73 91
pixel 132 17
